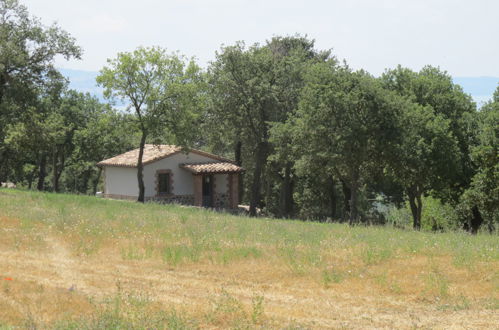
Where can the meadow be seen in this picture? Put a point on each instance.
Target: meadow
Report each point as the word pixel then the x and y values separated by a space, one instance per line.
pixel 69 261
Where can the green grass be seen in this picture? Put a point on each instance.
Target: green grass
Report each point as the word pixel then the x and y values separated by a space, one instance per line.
pixel 179 234
pixel 330 256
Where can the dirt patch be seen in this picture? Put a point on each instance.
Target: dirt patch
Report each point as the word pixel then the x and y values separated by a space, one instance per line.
pixel 351 303
pixel 9 222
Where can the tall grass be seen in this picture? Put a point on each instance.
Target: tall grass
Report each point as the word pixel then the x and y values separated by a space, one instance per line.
pixel 178 234
pixel 453 269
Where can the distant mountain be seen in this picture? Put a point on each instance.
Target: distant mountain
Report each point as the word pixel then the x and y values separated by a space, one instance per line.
pixel 83 81
pixel 480 88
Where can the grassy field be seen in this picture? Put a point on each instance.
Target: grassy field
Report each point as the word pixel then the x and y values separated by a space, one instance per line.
pixel 82 262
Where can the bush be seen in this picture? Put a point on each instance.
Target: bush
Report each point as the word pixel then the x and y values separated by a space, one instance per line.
pixel 436 216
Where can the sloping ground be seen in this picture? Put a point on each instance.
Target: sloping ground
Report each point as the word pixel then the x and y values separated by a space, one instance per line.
pixel 53 272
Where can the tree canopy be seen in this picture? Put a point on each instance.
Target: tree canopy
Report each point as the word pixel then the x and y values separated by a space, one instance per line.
pixel 163 90
pixel 27 52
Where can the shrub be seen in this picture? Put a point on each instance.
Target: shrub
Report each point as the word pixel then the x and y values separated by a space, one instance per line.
pixel 436 216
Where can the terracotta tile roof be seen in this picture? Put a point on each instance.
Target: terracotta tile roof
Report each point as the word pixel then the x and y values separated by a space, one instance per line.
pixel 152 153
pixel 212 167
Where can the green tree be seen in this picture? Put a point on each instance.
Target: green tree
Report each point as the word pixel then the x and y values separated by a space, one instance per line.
pixel 38 129
pixel 437 136
pixel 164 91
pixel 252 88
pixel 426 154
pixel 480 202
pixel 107 132
pixel 242 85
pixel 27 52
pixel 314 189
pixel 345 122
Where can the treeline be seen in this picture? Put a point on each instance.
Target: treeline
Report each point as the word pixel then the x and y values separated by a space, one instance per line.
pixel 50 136
pixel 318 140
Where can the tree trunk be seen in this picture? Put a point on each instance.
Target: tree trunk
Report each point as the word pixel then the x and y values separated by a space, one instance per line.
pixel 237 153
pixel 96 181
pixel 31 177
pixel 42 172
pixel 346 200
pixel 30 181
pixel 354 192
pixel 414 194
pixel 3 165
pixel 260 158
pixel 354 196
pixel 140 168
pixel 333 198
pixel 287 192
pixel 58 162
pixel 420 207
pixel 55 180
pixel 61 167
pixel 239 162
pixel 476 220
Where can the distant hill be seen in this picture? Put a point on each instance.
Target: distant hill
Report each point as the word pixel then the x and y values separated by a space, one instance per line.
pixel 83 81
pixel 480 88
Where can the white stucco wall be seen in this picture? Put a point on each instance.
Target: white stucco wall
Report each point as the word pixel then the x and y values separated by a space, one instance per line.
pixel 123 180
pixel 183 183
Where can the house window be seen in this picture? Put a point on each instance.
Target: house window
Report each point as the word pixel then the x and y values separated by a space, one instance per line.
pixel 164 184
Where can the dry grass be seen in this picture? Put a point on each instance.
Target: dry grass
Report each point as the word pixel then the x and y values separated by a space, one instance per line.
pixel 80 262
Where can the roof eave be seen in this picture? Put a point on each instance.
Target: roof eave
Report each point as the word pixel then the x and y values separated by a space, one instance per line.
pixel 115 165
pixel 186 150
pixel 193 171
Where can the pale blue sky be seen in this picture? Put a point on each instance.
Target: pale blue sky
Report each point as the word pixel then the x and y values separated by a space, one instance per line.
pixel 458 35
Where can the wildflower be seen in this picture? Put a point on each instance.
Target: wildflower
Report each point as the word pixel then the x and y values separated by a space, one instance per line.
pixel 8 278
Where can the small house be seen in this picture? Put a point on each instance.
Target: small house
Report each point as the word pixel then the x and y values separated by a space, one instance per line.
pixel 171 175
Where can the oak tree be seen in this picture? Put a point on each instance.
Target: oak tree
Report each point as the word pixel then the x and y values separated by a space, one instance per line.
pixel 163 90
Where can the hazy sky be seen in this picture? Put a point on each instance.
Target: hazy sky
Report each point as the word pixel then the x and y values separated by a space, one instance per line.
pixel 460 36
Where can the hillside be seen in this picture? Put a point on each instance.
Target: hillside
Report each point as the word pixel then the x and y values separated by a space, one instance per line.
pixel 480 88
pixel 79 261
